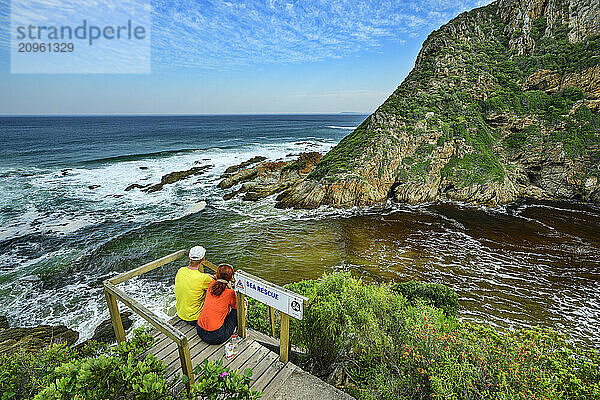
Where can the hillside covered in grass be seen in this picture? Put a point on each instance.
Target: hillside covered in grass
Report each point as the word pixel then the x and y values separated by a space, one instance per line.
pixel 503 103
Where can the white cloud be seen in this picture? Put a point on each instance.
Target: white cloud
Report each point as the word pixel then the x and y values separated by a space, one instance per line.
pixel 219 34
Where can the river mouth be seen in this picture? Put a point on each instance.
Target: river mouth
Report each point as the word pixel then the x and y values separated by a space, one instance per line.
pixel 521 265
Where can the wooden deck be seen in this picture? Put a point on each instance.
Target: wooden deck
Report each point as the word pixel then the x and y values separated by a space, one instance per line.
pixel 268 373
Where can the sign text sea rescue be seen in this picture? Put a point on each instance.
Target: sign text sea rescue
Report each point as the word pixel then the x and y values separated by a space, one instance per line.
pixel 283 300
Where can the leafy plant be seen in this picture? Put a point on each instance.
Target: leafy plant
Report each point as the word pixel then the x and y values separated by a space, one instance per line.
pixel 117 373
pixel 437 295
pixel 213 381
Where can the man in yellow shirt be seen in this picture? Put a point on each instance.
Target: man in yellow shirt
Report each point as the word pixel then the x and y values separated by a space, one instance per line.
pixel 190 286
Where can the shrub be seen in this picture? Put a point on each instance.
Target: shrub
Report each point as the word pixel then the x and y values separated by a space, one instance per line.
pixel 345 318
pixel 22 375
pixel 98 372
pixel 434 294
pixel 478 362
pixel 117 373
pixel 213 381
pixel 401 341
pixel 257 316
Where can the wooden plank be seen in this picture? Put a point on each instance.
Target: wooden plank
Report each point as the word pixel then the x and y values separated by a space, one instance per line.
pixel 254 360
pixel 284 338
pixel 148 267
pixel 279 379
pixel 246 356
pixel 272 320
pixel 262 382
pixel 263 366
pixel 115 317
pixel 157 348
pixel 172 357
pixel 173 367
pixel 238 350
pixel 166 350
pixel 187 329
pixel 197 358
pixel 241 314
pixel 158 323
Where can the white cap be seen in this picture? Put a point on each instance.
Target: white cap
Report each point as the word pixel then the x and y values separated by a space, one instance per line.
pixel 197 253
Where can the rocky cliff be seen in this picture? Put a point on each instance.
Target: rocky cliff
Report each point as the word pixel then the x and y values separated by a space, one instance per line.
pixel 503 102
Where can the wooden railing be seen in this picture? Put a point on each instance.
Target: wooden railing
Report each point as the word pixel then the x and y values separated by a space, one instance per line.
pixel 113 293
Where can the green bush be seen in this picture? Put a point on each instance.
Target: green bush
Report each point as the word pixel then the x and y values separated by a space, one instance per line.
pixel 213 381
pixel 24 374
pixel 98 372
pixel 434 294
pixel 402 341
pixel 345 318
pixel 118 373
pixel 475 362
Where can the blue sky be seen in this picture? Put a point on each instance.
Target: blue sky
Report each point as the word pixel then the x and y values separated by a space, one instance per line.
pixel 231 56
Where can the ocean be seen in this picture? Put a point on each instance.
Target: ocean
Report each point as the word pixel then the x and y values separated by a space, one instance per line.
pixel 67 223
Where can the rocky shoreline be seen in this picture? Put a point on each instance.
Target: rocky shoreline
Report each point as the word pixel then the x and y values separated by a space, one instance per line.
pixel 30 339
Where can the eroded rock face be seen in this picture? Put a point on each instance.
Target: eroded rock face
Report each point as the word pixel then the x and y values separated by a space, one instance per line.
pixel 502 103
pixel 13 340
pixel 268 177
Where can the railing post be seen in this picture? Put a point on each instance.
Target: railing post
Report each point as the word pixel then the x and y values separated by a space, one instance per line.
pixel 272 320
pixel 186 361
pixel 284 338
pixel 115 317
pixel 241 314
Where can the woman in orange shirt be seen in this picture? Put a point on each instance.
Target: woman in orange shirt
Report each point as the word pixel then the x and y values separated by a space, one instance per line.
pixel 218 319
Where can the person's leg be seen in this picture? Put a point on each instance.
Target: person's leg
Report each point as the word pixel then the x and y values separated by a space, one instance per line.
pixel 210 337
pixel 194 322
pixel 230 323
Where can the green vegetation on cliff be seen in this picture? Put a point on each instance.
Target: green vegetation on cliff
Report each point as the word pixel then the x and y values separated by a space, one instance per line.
pixel 492 95
pixel 403 341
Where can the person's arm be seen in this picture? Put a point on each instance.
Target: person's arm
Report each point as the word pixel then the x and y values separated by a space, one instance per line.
pixel 206 281
pixel 233 301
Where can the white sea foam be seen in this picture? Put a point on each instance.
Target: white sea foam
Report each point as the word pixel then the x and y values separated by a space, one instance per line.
pixel 342 127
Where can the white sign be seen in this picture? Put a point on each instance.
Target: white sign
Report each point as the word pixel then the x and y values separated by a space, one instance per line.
pixel 272 295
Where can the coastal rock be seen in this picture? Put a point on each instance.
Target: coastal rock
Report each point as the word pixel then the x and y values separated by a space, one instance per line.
pixel 169 179
pixel 105 333
pixel 136 186
pixel 268 178
pixel 502 104
pixel 234 168
pixel 13 340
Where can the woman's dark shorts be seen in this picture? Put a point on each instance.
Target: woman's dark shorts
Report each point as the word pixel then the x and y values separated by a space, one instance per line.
pixel 222 334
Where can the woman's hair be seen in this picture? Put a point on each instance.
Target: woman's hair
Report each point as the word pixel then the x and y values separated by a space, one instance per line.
pixel 224 273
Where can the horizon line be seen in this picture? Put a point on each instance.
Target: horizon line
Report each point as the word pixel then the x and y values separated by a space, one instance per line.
pixel 176 114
